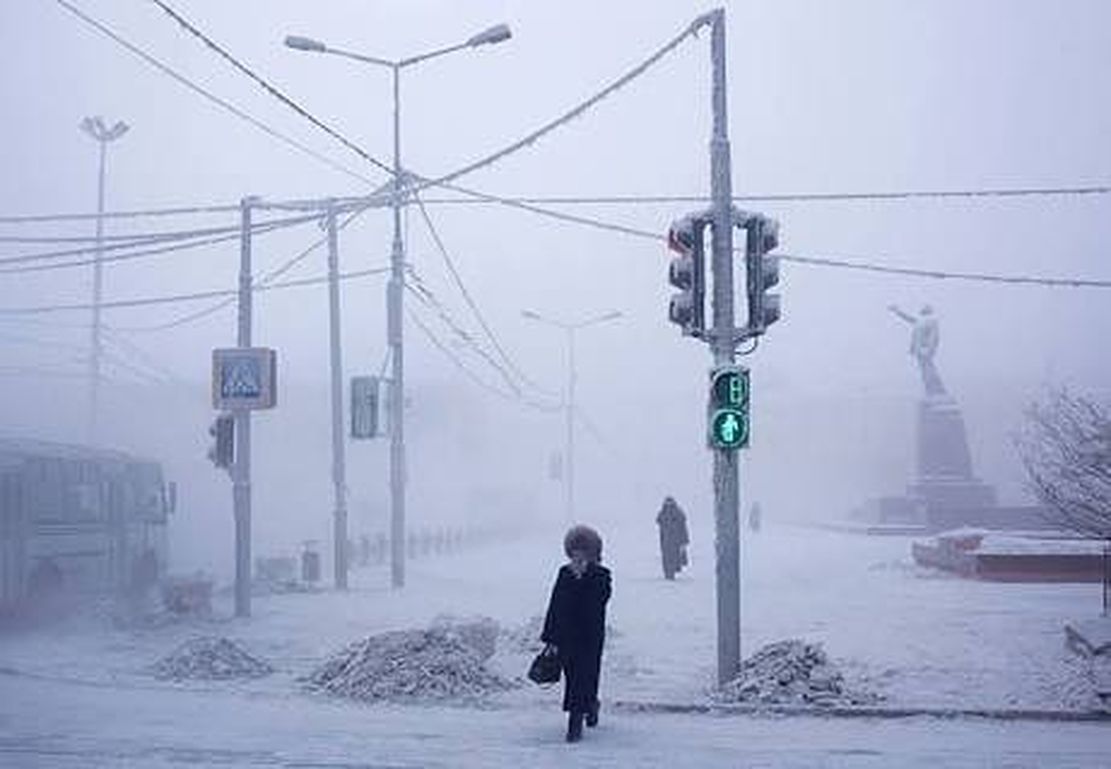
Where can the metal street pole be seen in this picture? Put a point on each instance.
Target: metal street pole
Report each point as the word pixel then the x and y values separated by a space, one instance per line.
pixel 339 470
pixel 241 476
pixel 571 375
pixel 95 128
pixel 726 480
pixel 569 398
pixel 395 292
pixel 395 288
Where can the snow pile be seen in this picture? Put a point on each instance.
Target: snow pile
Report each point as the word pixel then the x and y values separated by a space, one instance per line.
pixel 445 661
pixel 791 672
pixel 210 658
pixel 525 638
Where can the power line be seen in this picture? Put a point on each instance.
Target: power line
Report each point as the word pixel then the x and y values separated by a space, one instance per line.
pixel 270 89
pixel 980 277
pixel 844 263
pixel 467 294
pixel 188 297
pixel 177 245
pixel 458 363
pixel 222 103
pixel 421 291
pixel 1017 192
pixel 121 257
pixel 217 306
pixel 134 214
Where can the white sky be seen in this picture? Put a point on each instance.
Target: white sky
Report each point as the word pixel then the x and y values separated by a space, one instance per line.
pixel 824 97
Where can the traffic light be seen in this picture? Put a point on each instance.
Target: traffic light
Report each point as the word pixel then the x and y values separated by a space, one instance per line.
pixel 687 272
pixel 222 451
pixel 728 414
pixel 761 236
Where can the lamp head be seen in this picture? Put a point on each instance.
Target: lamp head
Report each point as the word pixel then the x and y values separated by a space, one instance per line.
pixel 300 43
pixel 495 34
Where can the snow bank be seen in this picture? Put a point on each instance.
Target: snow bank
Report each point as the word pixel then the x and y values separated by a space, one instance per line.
pixel 445 661
pixel 210 658
pixel 791 672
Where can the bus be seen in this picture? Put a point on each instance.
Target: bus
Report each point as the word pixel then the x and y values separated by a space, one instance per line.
pixel 78 521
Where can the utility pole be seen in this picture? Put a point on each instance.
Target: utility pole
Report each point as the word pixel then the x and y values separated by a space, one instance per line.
pixel 569 397
pixel 241 475
pixel 726 475
pixel 95 128
pixel 396 287
pixel 339 481
pixel 395 291
pixel 570 425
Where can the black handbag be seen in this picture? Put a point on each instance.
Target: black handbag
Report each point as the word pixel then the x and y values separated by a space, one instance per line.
pixel 545 668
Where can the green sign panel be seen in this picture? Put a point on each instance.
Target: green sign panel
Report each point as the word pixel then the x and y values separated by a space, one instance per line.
pixel 728 412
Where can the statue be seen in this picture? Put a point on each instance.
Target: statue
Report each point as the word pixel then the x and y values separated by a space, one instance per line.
pixel 924 339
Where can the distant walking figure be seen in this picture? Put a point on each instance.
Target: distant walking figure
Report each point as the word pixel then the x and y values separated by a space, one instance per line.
pixel 575 625
pixel 674 537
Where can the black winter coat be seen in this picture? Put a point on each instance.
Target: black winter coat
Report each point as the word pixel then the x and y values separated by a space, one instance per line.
pixel 576 624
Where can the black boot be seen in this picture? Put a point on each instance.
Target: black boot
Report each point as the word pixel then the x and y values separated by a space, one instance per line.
pixel 574 726
pixel 592 715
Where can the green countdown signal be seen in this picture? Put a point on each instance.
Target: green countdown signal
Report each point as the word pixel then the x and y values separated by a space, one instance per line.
pixel 728 412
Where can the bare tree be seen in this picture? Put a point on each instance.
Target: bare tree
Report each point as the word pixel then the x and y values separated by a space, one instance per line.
pixel 1066 449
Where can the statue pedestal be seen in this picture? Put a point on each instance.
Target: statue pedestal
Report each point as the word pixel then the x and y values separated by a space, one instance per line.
pixel 944 478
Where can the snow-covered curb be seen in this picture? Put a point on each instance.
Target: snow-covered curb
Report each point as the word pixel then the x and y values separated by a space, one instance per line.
pixel 998 714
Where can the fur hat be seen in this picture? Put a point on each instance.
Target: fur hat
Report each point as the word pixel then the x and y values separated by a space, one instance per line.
pixel 586 539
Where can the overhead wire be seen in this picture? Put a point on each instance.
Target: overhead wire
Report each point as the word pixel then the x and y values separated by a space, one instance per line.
pixel 271 275
pixel 270 89
pixel 145 239
pixel 1017 192
pixel 458 280
pixel 424 294
pixel 222 103
pixel 184 297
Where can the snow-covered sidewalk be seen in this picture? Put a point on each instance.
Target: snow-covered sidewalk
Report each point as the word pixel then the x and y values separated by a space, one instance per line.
pixel 914 637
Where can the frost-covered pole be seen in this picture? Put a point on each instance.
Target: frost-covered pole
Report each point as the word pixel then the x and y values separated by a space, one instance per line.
pixel 241 477
pixel 394 332
pixel 339 469
pixel 726 482
pixel 570 486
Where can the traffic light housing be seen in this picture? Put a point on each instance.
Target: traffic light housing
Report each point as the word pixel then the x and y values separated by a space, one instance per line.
pixel 762 267
pixel 728 412
pixel 687 272
pixel 222 451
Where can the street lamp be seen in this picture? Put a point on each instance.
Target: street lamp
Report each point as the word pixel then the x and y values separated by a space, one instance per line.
pixel 569 400
pixel 96 128
pixel 395 287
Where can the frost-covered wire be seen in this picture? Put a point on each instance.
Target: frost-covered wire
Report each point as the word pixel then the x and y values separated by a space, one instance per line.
pixel 577 200
pixel 185 297
pixel 220 102
pixel 146 239
pixel 272 275
pixel 421 291
pixel 270 89
pixel 469 299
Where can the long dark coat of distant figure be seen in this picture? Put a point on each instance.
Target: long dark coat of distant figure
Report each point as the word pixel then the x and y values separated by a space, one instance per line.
pixel 576 625
pixel 673 537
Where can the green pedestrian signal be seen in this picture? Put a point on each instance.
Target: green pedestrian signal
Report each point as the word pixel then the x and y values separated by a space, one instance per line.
pixel 728 411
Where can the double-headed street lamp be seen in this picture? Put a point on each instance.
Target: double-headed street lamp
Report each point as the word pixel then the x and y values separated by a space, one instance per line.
pixel 395 288
pixel 98 130
pixel 569 397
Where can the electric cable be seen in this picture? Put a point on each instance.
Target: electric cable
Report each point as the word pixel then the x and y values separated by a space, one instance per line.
pixel 186 297
pixel 222 103
pixel 270 89
pixel 470 299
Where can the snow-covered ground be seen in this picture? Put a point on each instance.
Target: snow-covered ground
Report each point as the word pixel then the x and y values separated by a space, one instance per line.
pixel 918 638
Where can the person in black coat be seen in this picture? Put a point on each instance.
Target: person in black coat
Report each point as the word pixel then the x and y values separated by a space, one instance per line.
pixel 674 537
pixel 575 625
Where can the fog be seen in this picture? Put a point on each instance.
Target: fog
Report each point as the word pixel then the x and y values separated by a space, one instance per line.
pixel 823 98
